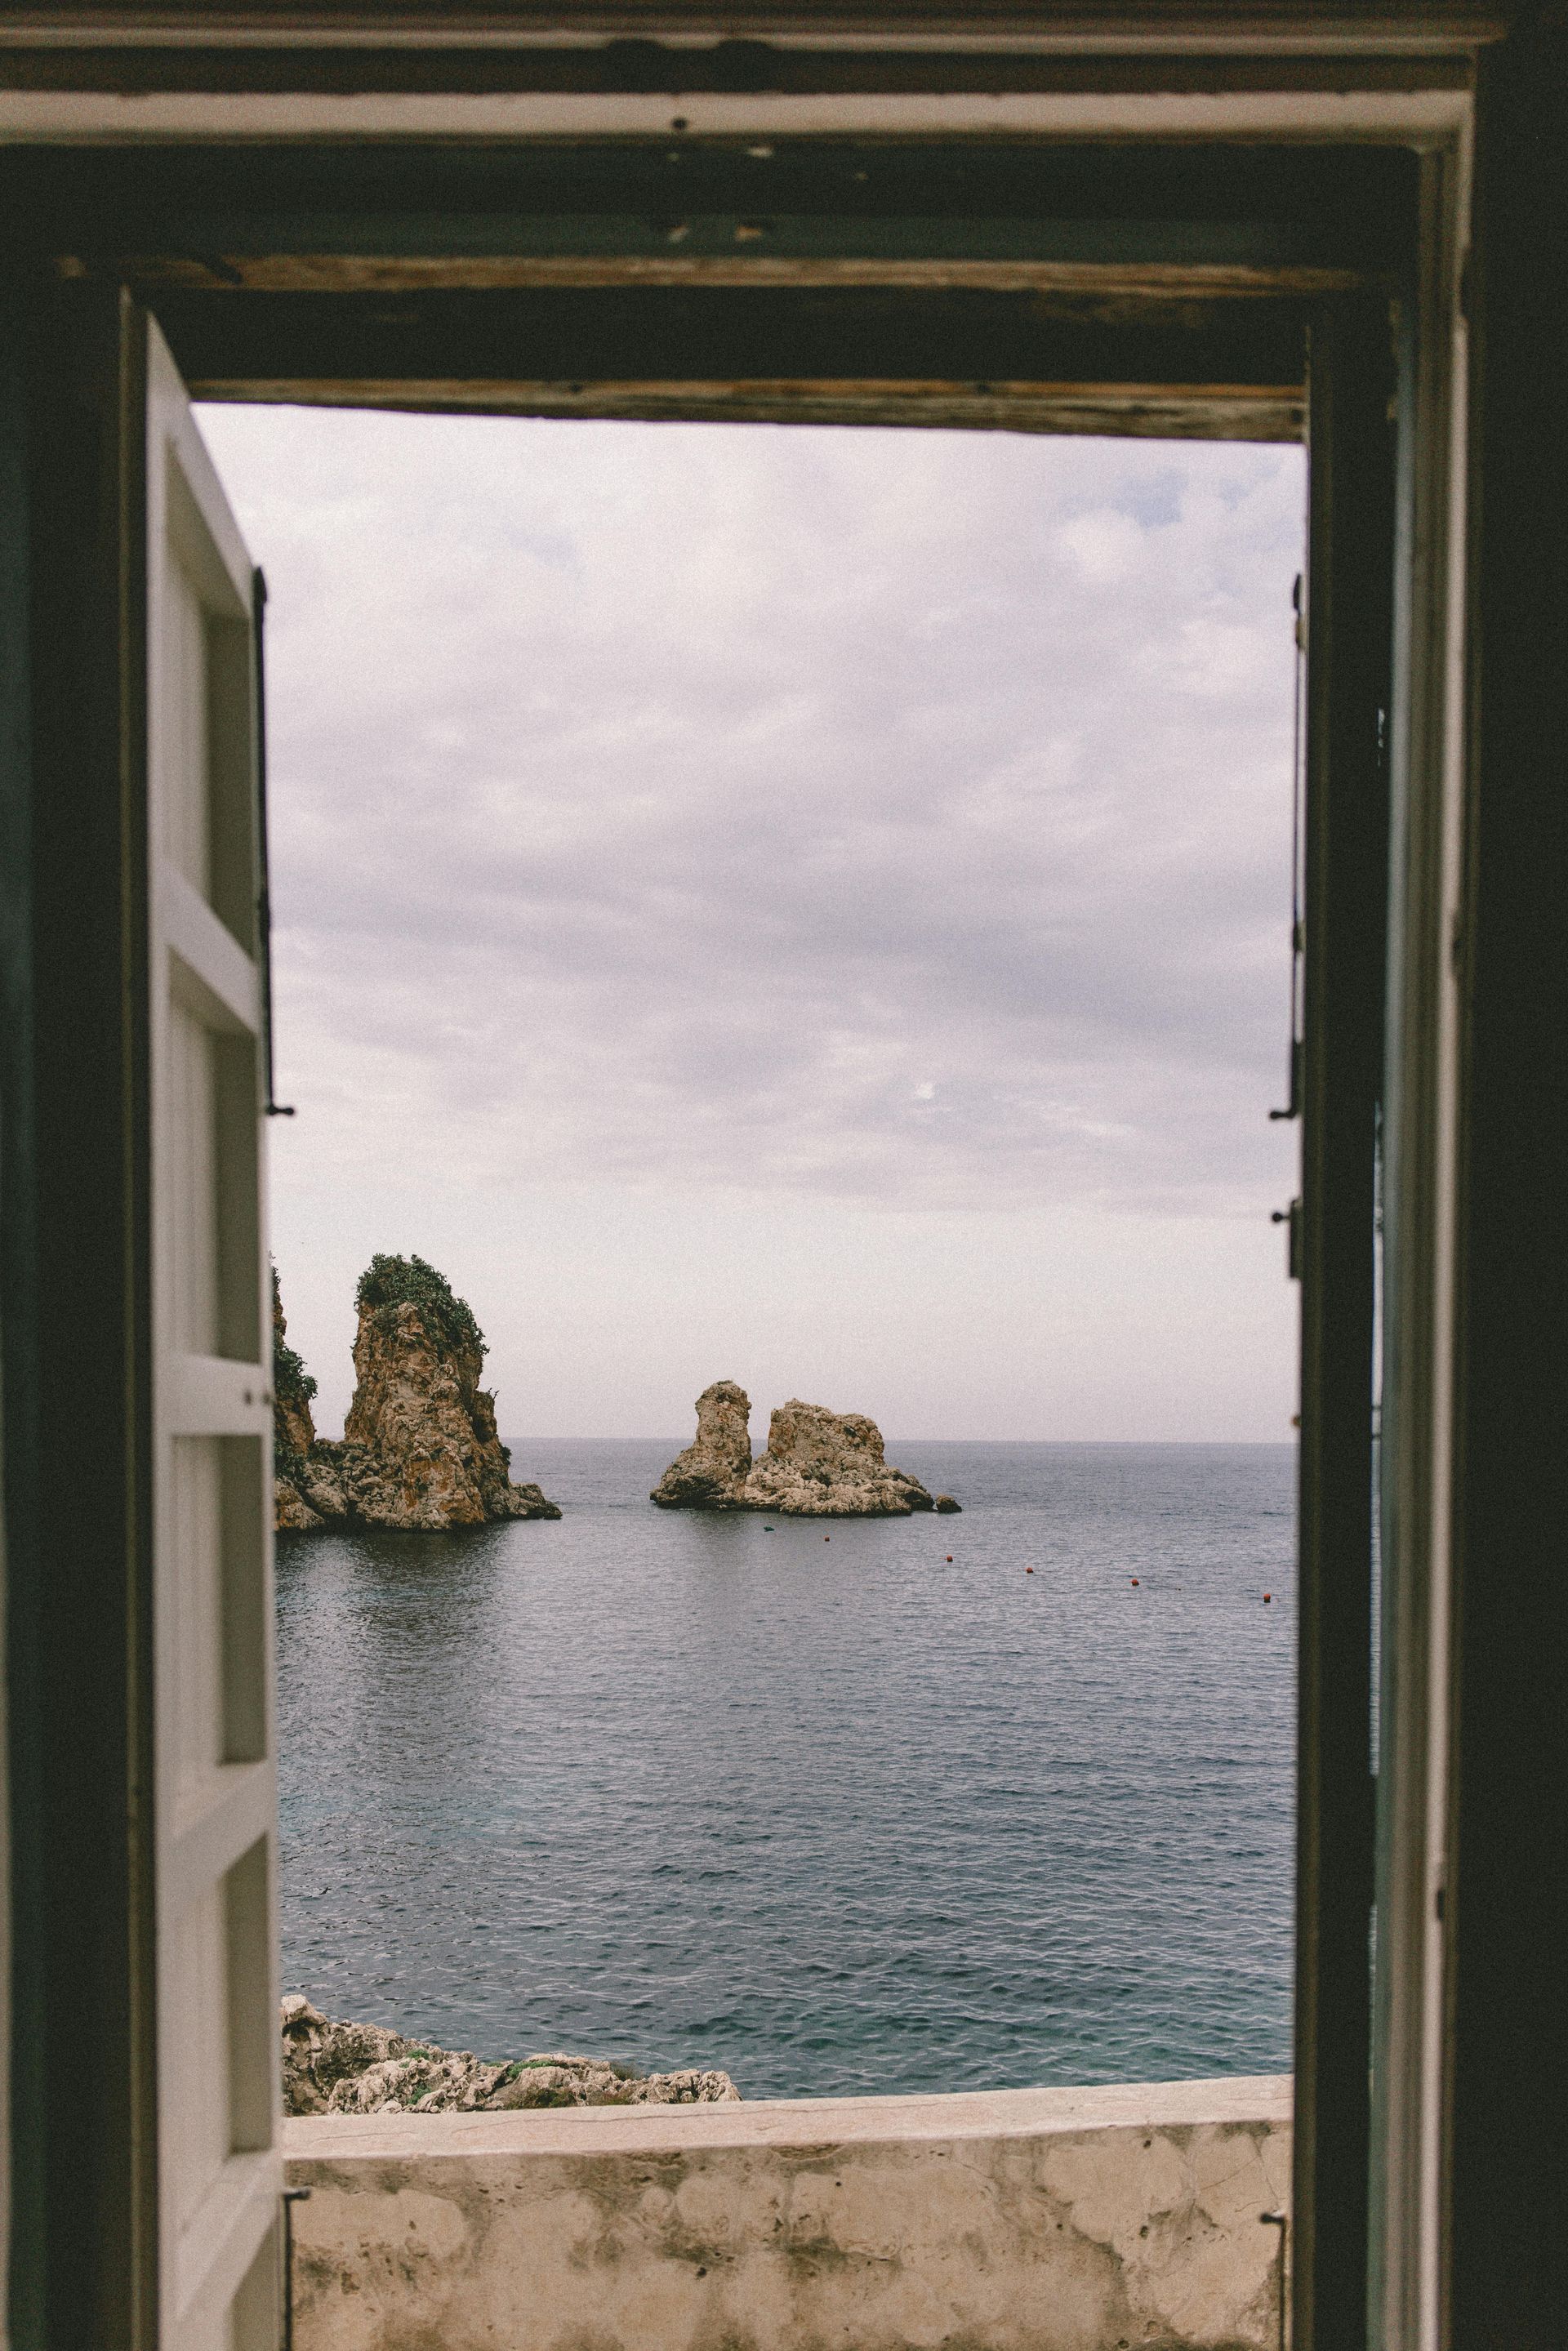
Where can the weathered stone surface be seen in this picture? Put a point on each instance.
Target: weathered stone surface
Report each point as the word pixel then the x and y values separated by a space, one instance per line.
pixel 946 1506
pixel 709 1475
pixel 293 1428
pixel 420 1445
pixel 991 2221
pixel 821 1464
pixel 363 2069
pixel 291 1511
pixel 420 1448
pixel 321 1484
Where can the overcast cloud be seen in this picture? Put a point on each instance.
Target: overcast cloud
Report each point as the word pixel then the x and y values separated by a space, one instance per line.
pixel 710 862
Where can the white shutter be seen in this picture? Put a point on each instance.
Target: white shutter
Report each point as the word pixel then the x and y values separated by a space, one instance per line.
pixel 219 2170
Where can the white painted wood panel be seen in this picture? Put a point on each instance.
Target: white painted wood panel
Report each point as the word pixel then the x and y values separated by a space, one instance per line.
pixel 183 721
pixel 216 1791
pixel 195 1599
pixel 190 1183
pixel 194 2085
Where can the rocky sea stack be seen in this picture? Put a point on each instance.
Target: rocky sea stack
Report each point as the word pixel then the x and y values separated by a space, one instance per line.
pixel 420 1447
pixel 710 1474
pixel 363 2069
pixel 819 1464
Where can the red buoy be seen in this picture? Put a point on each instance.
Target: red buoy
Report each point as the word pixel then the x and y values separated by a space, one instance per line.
pixel 1029 1571
pixel 1267 1597
pixel 1134 1583
pixel 950 1559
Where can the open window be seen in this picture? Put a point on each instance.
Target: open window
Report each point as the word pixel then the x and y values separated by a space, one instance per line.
pixel 1223 279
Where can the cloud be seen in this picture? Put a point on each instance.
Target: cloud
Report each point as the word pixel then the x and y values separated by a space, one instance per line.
pixel 897 818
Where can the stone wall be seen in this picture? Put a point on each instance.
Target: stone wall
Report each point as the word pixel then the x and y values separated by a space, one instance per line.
pixel 1108 2220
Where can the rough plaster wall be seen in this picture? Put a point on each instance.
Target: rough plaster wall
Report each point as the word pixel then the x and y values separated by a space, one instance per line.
pixel 1109 2239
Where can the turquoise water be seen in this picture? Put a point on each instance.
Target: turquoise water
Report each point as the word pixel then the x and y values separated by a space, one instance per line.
pixel 834 1815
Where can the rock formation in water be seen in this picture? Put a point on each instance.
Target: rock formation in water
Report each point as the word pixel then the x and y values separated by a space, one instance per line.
pixel 821 1464
pixel 363 2069
pixel 293 1429
pixel 420 1447
pixel 945 1506
pixel 709 1475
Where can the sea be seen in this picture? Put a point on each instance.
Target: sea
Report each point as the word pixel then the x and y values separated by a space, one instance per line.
pixel 840 1806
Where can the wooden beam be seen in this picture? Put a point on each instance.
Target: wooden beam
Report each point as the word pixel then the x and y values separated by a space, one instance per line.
pixel 1083 290
pixel 1157 412
pixel 1246 219
pixel 1417 24
pixel 639 66
pixel 956 341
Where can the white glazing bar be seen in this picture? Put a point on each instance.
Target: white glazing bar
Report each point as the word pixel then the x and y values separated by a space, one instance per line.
pixel 211 956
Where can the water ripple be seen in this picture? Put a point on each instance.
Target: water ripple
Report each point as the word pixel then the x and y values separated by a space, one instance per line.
pixel 837 1818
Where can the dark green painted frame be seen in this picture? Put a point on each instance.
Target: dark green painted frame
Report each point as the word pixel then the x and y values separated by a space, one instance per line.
pixel 75 1273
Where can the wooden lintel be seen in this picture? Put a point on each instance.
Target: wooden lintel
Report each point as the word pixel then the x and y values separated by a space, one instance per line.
pixel 1145 412
pixel 1091 285
pixel 700 335
pixel 748 42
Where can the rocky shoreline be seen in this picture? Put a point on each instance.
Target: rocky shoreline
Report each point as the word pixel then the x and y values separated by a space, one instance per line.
pixel 332 2068
pixel 818 1464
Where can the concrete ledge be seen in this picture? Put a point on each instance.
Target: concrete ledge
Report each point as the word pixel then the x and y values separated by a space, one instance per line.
pixel 1117 2218
pixel 793 2122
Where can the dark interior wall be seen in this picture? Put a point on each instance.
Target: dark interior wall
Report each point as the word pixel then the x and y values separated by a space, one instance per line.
pixel 75 1312
pixel 1506 1902
pixel 18 1304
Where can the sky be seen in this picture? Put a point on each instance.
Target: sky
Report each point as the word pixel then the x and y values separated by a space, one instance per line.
pixel 808 906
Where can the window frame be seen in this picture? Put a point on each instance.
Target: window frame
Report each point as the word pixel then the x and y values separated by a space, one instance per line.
pixel 87 335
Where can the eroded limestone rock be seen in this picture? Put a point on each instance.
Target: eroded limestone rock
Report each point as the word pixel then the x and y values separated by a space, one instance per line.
pixel 363 2069
pixel 711 1472
pixel 822 1464
pixel 420 1447
pixel 819 1464
pixel 293 1428
pixel 291 1513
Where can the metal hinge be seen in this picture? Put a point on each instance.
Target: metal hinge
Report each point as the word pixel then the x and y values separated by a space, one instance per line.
pixel 1291 1216
pixel 1281 2221
pixel 272 1106
pixel 291 2197
pixel 1292 1108
pixel 1298 1055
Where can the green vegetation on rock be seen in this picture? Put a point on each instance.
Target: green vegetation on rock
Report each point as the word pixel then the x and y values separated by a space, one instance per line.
pixel 291 1383
pixel 420 1447
pixel 292 1389
pixel 388 1283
